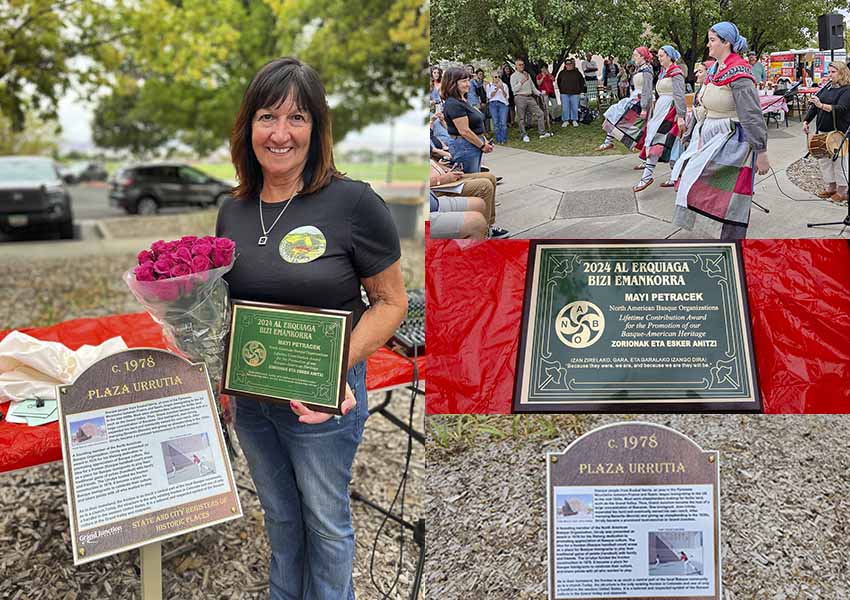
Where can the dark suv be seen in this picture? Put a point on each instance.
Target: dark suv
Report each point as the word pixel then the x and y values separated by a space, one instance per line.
pixel 32 196
pixel 144 189
pixel 84 171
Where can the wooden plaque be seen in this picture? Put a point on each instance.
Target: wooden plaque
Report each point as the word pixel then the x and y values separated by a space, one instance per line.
pixel 635 326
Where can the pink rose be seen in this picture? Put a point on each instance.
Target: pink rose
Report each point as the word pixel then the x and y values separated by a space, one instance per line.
pixel 145 256
pixel 201 263
pixel 163 266
pixel 172 245
pixel 222 258
pixel 183 255
pixel 224 244
pixel 202 249
pixel 144 272
pixel 180 269
pixel 188 239
pixel 158 247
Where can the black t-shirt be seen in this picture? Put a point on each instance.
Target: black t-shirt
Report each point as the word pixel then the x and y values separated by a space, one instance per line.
pixel 317 252
pixel 455 109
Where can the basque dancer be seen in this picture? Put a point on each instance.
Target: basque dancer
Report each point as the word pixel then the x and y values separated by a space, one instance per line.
pixel 667 120
pixel 714 176
pixel 624 120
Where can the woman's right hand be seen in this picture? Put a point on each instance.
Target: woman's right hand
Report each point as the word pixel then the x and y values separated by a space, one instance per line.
pixel 451 177
pixel 488 147
pixel 806 127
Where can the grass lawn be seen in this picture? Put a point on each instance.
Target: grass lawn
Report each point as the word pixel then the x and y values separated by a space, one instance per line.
pixel 371 172
pixel 567 141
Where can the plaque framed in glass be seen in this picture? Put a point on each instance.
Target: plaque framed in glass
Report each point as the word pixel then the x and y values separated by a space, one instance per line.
pixel 280 353
pixel 635 326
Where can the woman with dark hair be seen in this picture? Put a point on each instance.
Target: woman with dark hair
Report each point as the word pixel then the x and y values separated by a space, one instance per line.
pixel 300 460
pixel 507 71
pixel 464 122
pixel 714 176
pixel 624 120
pixel 436 79
pixel 667 119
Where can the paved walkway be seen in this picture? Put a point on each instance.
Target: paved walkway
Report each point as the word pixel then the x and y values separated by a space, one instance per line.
pixel 545 196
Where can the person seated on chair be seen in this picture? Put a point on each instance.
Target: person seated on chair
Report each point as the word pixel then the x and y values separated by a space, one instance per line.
pixel 446 182
pixel 457 217
pixel 831 107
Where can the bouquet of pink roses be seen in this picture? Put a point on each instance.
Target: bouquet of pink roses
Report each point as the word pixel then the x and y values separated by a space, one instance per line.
pixel 180 284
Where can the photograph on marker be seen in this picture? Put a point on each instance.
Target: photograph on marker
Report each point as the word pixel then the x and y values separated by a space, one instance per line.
pixel 574 507
pixel 675 553
pixel 187 458
pixel 88 431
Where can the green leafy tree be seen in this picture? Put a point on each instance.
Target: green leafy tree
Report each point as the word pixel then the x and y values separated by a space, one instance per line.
pixel 41 44
pixel 193 62
pixel 37 137
pixel 499 30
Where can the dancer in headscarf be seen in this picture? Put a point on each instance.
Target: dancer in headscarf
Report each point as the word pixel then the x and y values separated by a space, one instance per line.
pixel 624 120
pixel 714 176
pixel 668 117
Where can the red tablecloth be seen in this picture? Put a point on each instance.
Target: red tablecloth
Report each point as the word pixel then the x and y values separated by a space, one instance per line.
pixel 22 446
pixel 799 298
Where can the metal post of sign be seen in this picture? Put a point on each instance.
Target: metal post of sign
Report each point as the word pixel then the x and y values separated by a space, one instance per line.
pixel 151 565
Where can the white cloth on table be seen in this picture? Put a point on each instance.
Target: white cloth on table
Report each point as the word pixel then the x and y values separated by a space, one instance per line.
pixel 31 368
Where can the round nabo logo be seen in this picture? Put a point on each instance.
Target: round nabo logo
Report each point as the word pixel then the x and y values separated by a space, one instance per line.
pixel 579 324
pixel 254 353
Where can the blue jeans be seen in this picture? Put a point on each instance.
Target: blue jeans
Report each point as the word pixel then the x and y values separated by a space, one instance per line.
pixel 466 154
pixel 500 120
pixel 569 107
pixel 302 473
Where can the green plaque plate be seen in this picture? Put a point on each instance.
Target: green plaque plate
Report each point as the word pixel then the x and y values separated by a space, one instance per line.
pixel 280 353
pixel 635 327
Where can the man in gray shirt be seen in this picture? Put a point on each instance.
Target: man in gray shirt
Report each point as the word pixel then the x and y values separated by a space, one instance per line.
pixel 524 98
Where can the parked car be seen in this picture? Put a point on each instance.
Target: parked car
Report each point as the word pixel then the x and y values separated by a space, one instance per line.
pixel 33 196
pixel 84 171
pixel 144 189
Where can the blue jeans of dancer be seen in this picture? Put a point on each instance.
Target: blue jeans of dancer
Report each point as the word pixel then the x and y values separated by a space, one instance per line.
pixel 466 154
pixel 302 473
pixel 569 107
pixel 499 112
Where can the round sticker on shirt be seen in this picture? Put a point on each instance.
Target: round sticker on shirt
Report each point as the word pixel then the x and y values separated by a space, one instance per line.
pixel 302 245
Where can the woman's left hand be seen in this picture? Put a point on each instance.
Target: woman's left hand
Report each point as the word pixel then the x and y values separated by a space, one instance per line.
pixel 762 163
pixel 312 417
pixel 681 123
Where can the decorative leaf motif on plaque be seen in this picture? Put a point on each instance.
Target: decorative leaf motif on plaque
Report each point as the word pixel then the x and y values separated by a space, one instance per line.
pixel 331 328
pixel 725 373
pixel 247 320
pixel 323 391
pixel 556 374
pixel 712 265
pixel 562 268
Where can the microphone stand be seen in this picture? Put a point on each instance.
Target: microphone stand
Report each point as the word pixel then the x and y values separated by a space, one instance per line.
pixel 836 156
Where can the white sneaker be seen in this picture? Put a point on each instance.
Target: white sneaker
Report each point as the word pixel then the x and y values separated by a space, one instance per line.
pixel 575 123
pixel 525 139
pixel 565 124
pixel 545 135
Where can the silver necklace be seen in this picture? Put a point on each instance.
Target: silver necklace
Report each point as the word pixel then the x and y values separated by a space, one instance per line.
pixel 265 237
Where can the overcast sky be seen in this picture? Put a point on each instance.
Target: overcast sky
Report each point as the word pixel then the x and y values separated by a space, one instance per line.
pixel 75 117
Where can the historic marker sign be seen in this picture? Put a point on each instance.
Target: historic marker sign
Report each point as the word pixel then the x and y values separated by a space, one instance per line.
pixel 281 353
pixel 633 511
pixel 635 327
pixel 143 453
